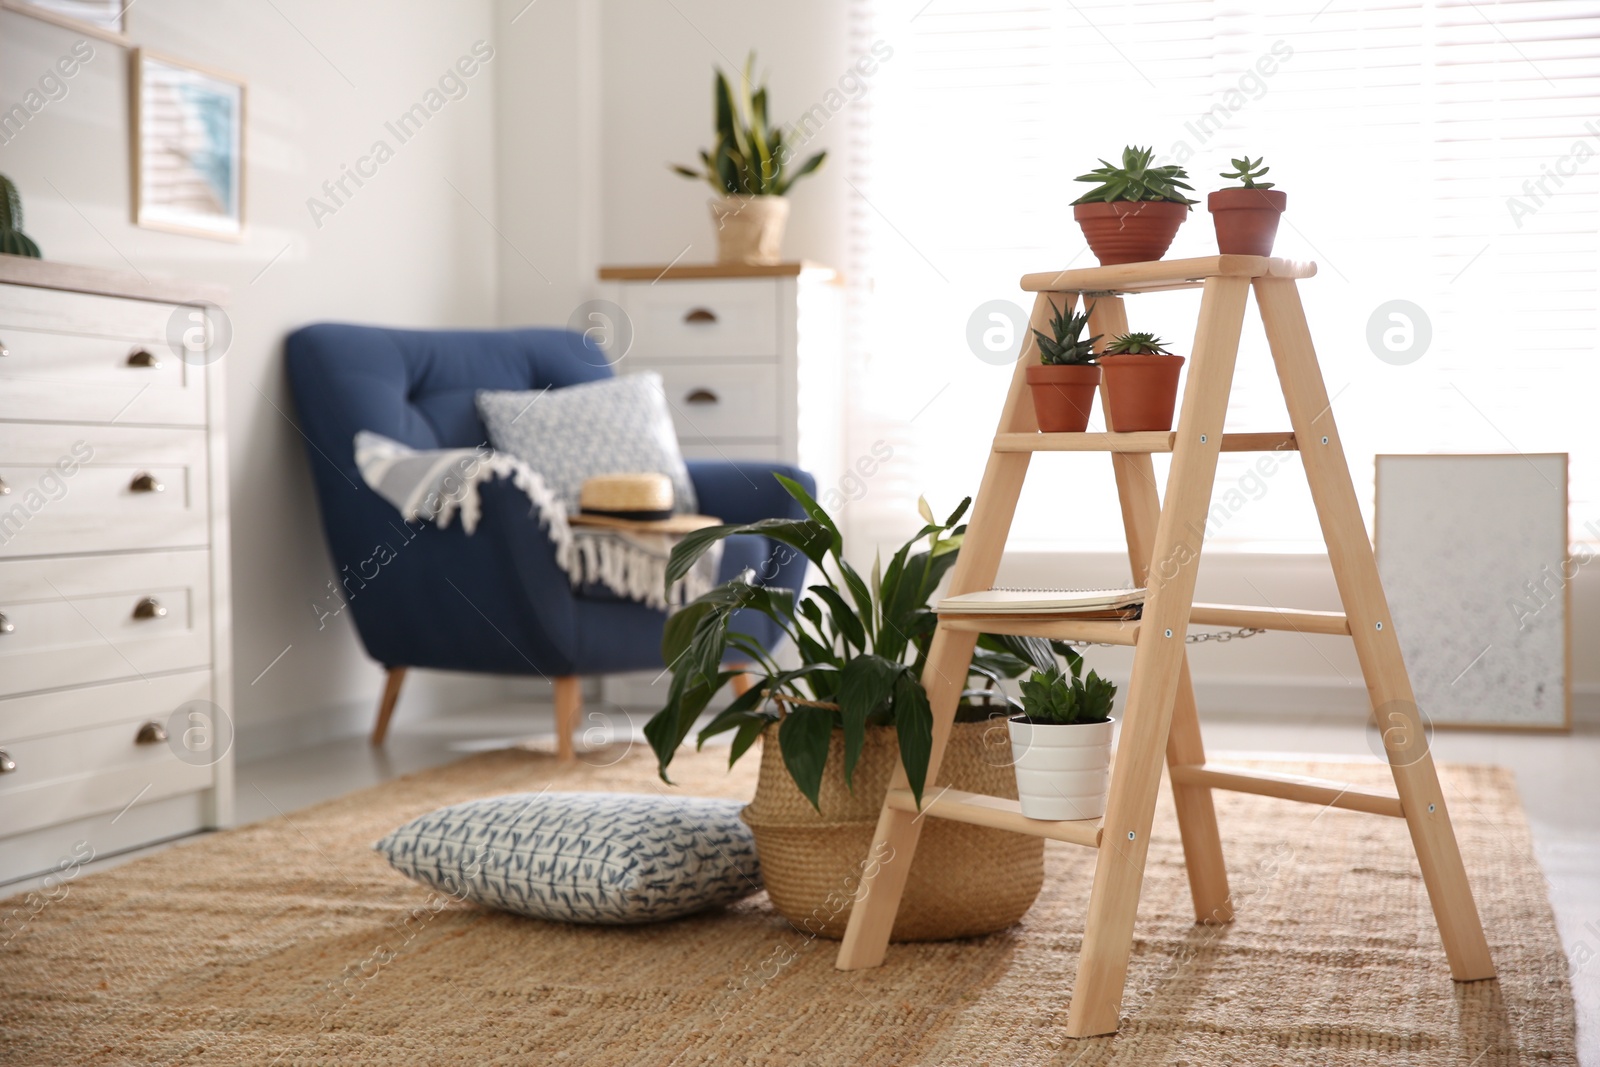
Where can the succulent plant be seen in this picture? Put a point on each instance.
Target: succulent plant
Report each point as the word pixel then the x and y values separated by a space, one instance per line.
pixel 1245 172
pixel 1136 179
pixel 1052 697
pixel 13 242
pixel 749 157
pixel 1135 344
pixel 1067 347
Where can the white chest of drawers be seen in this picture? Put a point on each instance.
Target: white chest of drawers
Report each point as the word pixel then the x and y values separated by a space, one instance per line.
pixel 114 643
pixel 751 361
pixel 749 356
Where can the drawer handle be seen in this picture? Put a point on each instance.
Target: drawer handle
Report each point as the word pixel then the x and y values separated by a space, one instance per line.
pixel 4 351
pixel 701 315
pixel 700 396
pixel 144 482
pixel 149 608
pixel 6 626
pixel 140 358
pixel 7 764
pixel 5 490
pixel 151 733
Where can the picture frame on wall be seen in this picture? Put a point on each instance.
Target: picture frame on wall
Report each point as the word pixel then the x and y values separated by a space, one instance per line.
pixel 1475 557
pixel 188 146
pixel 106 20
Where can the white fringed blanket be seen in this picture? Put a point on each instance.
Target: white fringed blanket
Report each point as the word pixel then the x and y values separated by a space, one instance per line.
pixel 434 486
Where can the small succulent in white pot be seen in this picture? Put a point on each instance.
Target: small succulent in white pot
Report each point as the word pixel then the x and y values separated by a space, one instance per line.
pixel 1061 744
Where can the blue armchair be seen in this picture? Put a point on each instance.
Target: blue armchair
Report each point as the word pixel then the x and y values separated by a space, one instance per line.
pixel 493 601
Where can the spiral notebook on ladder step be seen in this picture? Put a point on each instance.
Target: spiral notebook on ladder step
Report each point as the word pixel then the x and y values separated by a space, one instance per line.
pixel 1084 603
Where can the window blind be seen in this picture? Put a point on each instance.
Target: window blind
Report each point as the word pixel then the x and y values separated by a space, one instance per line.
pixel 1441 161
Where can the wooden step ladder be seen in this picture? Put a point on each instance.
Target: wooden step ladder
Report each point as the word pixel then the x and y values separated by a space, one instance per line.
pixel 1164 542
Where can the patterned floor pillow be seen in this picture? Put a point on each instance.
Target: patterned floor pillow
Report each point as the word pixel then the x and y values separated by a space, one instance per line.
pixel 617 425
pixel 607 858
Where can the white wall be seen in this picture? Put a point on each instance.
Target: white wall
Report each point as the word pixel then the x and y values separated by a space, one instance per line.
pixel 405 250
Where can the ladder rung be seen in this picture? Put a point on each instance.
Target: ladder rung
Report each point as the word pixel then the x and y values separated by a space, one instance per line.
pixel 1053 627
pixel 1147 441
pixel 1287 787
pixel 997 813
pixel 1162 274
pixel 1305 622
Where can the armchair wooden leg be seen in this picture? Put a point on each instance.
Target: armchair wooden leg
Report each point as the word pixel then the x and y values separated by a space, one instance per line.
pixel 569 702
pixel 741 684
pixel 391 696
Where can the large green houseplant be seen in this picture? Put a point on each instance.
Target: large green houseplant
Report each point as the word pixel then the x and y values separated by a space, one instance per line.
pixel 749 167
pixel 862 641
pixel 836 725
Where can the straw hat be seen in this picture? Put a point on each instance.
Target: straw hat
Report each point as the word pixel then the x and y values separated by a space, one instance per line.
pixel 640 502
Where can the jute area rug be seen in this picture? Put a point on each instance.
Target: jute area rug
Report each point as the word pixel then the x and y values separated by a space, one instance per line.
pixel 291 942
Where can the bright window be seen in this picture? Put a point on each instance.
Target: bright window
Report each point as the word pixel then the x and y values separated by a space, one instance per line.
pixel 1444 154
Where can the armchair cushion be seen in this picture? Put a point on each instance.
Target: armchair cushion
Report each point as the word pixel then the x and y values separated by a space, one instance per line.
pixel 616 426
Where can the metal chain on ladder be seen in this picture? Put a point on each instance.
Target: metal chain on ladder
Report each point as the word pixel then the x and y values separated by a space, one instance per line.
pixel 1219 636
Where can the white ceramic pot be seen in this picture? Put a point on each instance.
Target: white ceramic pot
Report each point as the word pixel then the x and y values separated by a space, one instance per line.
pixel 1062 771
pixel 750 228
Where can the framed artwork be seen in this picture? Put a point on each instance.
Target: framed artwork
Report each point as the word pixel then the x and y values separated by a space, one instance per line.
pixel 188 148
pixel 1474 554
pixel 104 19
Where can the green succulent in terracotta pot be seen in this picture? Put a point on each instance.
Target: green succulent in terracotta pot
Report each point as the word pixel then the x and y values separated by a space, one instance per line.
pixel 1134 210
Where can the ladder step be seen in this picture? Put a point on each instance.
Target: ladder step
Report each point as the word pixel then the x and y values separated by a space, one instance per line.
pixel 1146 441
pixel 1052 627
pixel 1163 274
pixel 1288 787
pixel 997 813
pixel 1304 622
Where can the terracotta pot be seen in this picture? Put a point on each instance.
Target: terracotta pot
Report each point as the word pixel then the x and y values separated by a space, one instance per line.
pixel 1246 219
pixel 1130 231
pixel 1141 391
pixel 1063 395
pixel 750 228
pixel 964 881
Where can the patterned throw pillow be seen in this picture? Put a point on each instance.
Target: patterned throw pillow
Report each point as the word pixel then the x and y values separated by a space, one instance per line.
pixel 606 858
pixel 615 426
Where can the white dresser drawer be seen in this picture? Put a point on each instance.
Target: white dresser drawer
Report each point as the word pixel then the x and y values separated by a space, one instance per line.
pixel 83 488
pixel 703 320
pixel 721 400
pixel 75 620
pixel 100 769
pixel 65 377
pixel 33 308
pixel 66 710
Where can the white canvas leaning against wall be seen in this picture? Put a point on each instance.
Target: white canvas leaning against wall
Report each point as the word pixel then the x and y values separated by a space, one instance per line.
pixel 1473 552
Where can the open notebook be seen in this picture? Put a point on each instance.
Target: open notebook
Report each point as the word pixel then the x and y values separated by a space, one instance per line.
pixel 1105 603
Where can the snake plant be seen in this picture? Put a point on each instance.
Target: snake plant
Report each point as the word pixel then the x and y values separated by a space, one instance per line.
pixel 749 157
pixel 1136 179
pixel 13 242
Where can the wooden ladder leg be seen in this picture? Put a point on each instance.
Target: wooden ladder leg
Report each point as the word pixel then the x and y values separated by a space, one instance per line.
pixel 883 880
pixel 1197 815
pixel 1388 685
pixel 391 697
pixel 569 702
pixel 1157 666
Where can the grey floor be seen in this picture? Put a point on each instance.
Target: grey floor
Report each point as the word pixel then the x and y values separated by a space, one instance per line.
pixel 1558 776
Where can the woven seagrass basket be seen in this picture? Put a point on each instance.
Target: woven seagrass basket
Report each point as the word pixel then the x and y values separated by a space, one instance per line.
pixel 965 880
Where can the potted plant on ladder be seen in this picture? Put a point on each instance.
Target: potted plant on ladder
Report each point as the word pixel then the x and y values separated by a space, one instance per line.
pixel 1247 217
pixel 1133 213
pixel 749 168
pixel 1061 743
pixel 1141 382
pixel 1064 382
